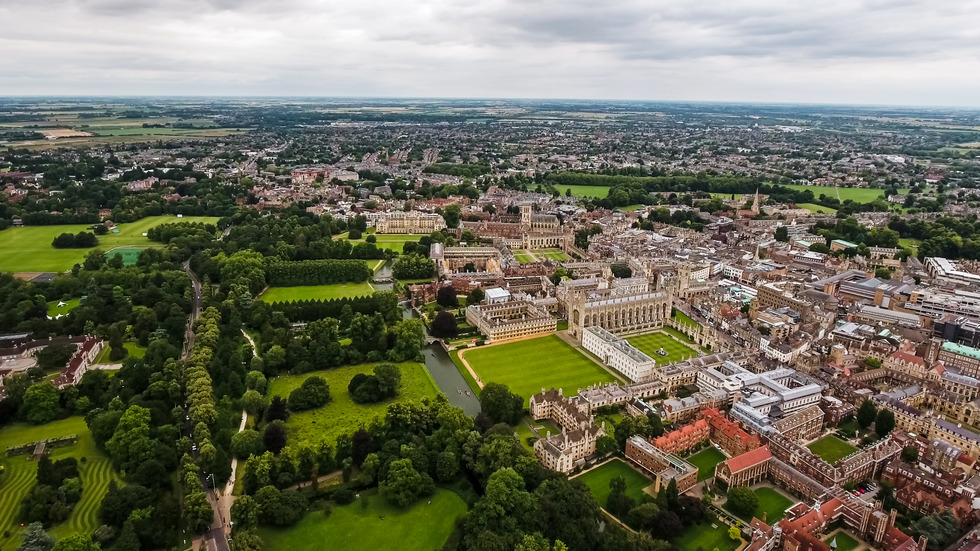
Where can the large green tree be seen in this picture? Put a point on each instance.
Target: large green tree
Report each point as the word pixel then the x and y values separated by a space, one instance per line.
pixel 866 414
pixel 742 500
pixel 41 403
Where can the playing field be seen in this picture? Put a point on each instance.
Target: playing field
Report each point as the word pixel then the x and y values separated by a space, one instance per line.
pixel 772 504
pixel 651 343
pixel 28 248
pixel 860 195
pixel 54 310
pixel 341 415
pixel 711 534
pixel 523 257
pixel 706 460
pixel 599 192
pixel 528 366
pixel 550 254
pixel 844 541
pixel 129 254
pixel 316 292
pixel 423 526
pixel 832 449
pixel 598 480
pixel 96 473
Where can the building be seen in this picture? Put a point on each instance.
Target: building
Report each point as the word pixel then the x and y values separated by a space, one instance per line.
pixel 663 466
pixel 744 469
pixel 683 439
pixel 728 435
pixel 949 273
pixel 413 222
pixel 510 320
pixel 618 310
pixel 619 354
pixel 564 451
pixel 965 359
pixel 87 351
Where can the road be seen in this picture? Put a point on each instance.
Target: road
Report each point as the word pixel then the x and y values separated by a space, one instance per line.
pixel 195 312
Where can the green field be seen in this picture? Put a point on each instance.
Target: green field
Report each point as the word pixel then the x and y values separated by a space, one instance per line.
pixel 28 248
pixel 706 460
pixel 316 292
pixel 341 415
pixel 909 243
pixel 844 541
pixel 598 480
pixel 528 366
pixel 129 254
pixel 96 473
pixel 649 344
pixel 813 207
pixel 135 351
pixel 860 195
pixel 550 254
pixel 772 505
pixel 832 449
pixel 599 192
pixel 54 310
pixel 523 257
pixel 422 526
pixel 703 537
pixel 683 318
pixel 392 241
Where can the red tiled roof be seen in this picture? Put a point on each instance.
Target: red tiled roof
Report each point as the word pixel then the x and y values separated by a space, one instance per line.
pixel 749 459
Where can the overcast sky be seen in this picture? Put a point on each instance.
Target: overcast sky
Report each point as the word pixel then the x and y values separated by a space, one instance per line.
pixel 911 52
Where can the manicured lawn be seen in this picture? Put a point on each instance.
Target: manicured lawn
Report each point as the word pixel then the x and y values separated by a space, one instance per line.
pixel 135 350
pixel 598 480
pixel 470 381
pixel 527 366
pixel 393 241
pixel 772 504
pixel 651 343
pixel 684 318
pixel 375 265
pixel 96 473
pixel 523 432
pixel 550 254
pixel 523 257
pixel 909 243
pixel 813 207
pixel 706 460
pixel 316 292
pixel 844 541
pixel 341 415
pixel 600 192
pixel 422 526
pixel 28 249
pixel 704 537
pixel 675 333
pixel 54 310
pixel 860 195
pixel 129 254
pixel 832 449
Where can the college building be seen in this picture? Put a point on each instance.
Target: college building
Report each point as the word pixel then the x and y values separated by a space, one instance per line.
pixel 618 354
pixel 510 320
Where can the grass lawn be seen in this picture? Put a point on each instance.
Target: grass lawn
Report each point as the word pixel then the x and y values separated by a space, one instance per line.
pixel 527 366
pixel 704 537
pixel 134 349
pixel 341 415
pixel 422 526
pixel 772 504
pixel 649 344
pixel 129 254
pixel 54 310
pixel 600 192
pixel 523 432
pixel 28 248
pixel 598 480
pixel 832 449
pixel 314 292
pixel 860 195
pixel 523 257
pixel 551 254
pixel 813 207
pixel 392 241
pixel 470 381
pixel 375 265
pixel 909 243
pixel 684 318
pixel 96 473
pixel 844 541
pixel 705 460
pixel 675 333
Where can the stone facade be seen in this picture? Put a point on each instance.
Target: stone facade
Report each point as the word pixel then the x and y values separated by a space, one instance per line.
pixel 413 222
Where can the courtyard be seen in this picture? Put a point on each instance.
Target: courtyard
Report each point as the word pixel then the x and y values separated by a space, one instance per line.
pixel 706 460
pixel 772 505
pixel 832 449
pixel 598 480
pixel 651 343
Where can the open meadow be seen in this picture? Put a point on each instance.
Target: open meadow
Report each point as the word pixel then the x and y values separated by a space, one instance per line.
pixel 527 366
pixel 341 415
pixel 599 192
pixel 376 525
pixel 316 292
pixel 28 248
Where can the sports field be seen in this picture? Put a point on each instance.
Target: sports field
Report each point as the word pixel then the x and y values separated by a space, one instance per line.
pixel 54 310
pixel 598 480
pixel 711 534
pixel 423 526
pixel 772 504
pixel 28 248
pixel 523 257
pixel 706 460
pixel 316 292
pixel 860 195
pixel 527 366
pixel 844 541
pixel 129 254
pixel 341 415
pixel 600 192
pixel 832 449
pixel 550 254
pixel 96 473
pixel 651 343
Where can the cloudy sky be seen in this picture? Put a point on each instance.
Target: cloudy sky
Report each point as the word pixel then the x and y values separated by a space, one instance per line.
pixel 911 52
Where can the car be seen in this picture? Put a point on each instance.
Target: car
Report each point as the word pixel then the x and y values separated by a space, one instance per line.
pixel 857 493
pixel 861 490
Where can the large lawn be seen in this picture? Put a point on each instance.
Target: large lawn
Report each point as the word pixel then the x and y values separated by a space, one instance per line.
pixel 54 310
pixel 598 480
pixel 860 195
pixel 706 460
pixel 651 343
pixel 135 351
pixel 815 208
pixel 393 241
pixel 528 366
pixel 704 538
pixel 316 292
pixel 599 192
pixel 772 505
pixel 341 415
pixel 423 526
pixel 96 473
pixel 550 254
pixel 832 449
pixel 28 248
pixel 522 257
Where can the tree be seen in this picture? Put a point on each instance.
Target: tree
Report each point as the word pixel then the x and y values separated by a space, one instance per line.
pixel 500 404
pixel 734 533
pixel 403 485
pixel 128 540
pixel 910 454
pixel 605 445
pixel 451 214
pixel 476 296
pixel 36 539
pixel 446 297
pixel 941 529
pixel 671 494
pixel 389 378
pixel 278 409
pixel 274 437
pixel 76 542
pixel 618 503
pixel 866 414
pixel 444 325
pixel 500 519
pixel 313 393
pixel 245 540
pixel 252 401
pixel 245 443
pixel 884 422
pixel 41 403
pixel 782 234
pixel 117 351
pixel 742 501
pixel 245 513
pixel 409 338
pixel 197 511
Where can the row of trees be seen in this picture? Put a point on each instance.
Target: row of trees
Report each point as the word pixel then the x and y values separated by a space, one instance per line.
pixel 317 272
pixel 80 240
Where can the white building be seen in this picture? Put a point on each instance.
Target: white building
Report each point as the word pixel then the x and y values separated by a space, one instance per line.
pixel 618 354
